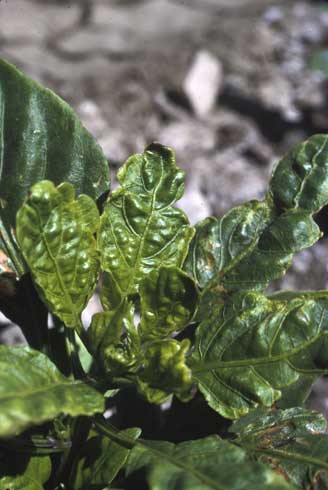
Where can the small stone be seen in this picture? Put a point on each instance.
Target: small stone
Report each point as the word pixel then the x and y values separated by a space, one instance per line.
pixel 203 82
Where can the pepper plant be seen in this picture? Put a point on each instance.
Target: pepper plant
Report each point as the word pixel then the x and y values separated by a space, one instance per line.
pixel 187 333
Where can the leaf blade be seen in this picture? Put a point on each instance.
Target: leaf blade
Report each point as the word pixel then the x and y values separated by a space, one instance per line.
pixel 140 230
pixel 251 347
pixel 55 234
pixel 41 138
pixel 33 391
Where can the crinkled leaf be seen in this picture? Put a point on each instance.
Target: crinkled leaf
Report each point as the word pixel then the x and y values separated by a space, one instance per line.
pixel 249 247
pixel 55 233
pixel 251 347
pixel 169 299
pixel 115 353
pixel 165 370
pixel 140 230
pixel 294 442
pixel 33 391
pixel 209 463
pixel 100 460
pixel 300 180
pixel 253 244
pixel 20 471
pixel 41 138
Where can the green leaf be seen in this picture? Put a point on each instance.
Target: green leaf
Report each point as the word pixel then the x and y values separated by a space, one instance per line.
pixel 300 180
pixel 55 233
pixel 21 472
pixel 254 243
pixel 116 354
pixel 169 300
pixel 100 460
pixel 33 391
pixel 251 347
pixel 209 463
pixel 140 230
pixel 165 370
pixel 41 138
pixel 294 442
pixel 249 247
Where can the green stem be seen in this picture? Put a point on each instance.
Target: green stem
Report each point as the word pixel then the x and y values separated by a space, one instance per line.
pixel 73 355
pixel 11 251
pixel 107 429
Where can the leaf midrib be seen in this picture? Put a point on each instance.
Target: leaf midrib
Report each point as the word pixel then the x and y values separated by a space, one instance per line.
pixel 53 259
pixel 113 434
pixel 29 392
pixel 212 365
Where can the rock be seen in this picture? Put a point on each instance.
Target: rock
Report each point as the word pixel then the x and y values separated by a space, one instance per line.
pixel 203 82
pixel 228 180
pixel 12 335
pixel 194 203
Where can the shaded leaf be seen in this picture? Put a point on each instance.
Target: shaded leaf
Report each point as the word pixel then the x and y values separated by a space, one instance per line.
pixel 201 464
pixel 20 302
pixel 55 233
pixel 209 463
pixel 33 391
pixel 22 472
pixel 294 442
pixel 41 138
pixel 100 460
pixel 140 230
pixel 251 347
pixel 169 300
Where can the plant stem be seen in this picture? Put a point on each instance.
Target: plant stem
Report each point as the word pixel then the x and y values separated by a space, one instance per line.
pixel 11 251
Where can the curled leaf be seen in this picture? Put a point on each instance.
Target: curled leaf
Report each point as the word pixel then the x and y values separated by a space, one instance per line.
pixel 169 300
pixel 165 371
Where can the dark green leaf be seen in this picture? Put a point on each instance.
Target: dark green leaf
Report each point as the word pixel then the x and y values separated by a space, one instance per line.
pixel 251 347
pixel 100 460
pixel 249 247
pixel 253 244
pixel 294 442
pixel 33 391
pixel 55 233
pixel 209 463
pixel 169 299
pixel 41 138
pixel 300 180
pixel 140 230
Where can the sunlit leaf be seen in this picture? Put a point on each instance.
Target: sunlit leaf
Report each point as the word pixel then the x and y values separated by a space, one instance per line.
pixel 140 230
pixel 33 391
pixel 55 233
pixel 168 302
pixel 294 442
pixel 251 347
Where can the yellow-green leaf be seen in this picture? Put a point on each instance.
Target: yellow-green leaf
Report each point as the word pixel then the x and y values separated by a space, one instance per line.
pixel 56 236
